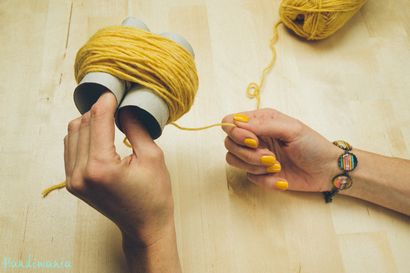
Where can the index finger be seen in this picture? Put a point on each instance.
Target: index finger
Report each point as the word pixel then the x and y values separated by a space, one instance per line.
pixel 237 119
pixel 228 119
pixel 102 127
pixel 239 135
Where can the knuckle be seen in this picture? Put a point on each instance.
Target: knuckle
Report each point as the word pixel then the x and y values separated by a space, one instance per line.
pixel 254 170
pixel 248 157
pixel 156 154
pixel 227 143
pixel 73 125
pixel 85 119
pixel 229 158
pixel 94 172
pixel 76 187
pixel 97 110
pixel 298 127
pixel 271 113
pixel 76 184
pixel 265 114
pixel 100 172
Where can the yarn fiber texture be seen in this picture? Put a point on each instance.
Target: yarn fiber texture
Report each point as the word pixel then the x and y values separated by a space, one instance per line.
pixel 317 19
pixel 141 57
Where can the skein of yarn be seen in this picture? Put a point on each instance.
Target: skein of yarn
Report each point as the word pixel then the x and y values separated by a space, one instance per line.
pixel 317 19
pixel 311 20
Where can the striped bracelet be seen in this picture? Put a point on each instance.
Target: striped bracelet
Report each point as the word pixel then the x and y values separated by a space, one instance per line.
pixel 346 162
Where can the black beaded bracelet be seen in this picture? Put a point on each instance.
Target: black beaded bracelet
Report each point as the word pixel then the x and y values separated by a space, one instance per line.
pixel 346 162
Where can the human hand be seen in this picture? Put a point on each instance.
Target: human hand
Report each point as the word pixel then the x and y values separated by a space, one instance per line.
pixel 134 192
pixel 280 152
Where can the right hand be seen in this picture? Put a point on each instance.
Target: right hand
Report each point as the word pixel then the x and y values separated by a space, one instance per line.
pixel 280 152
pixel 134 192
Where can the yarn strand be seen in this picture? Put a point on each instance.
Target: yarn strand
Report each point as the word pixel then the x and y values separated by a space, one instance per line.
pixel 203 127
pixel 46 191
pixel 128 144
pixel 254 89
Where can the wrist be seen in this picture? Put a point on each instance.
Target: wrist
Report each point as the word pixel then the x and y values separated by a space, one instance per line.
pixel 333 153
pixel 159 255
pixel 146 237
pixel 359 176
pixel 346 163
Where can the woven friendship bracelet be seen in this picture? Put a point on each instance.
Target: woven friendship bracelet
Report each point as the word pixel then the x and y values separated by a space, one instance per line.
pixel 346 162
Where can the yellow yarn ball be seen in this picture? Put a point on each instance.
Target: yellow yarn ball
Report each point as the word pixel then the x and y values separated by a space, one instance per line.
pixel 144 58
pixel 317 19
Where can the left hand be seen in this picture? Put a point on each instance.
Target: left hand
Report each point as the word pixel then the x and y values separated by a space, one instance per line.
pixel 280 152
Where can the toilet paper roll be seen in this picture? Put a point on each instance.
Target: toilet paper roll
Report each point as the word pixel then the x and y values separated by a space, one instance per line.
pixel 150 109
pixel 94 84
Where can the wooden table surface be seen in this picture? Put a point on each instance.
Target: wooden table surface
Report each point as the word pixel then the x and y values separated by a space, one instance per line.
pixel 354 85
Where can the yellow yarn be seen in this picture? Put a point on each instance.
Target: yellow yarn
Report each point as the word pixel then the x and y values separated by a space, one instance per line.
pixel 45 192
pixel 310 19
pixel 169 70
pixel 254 89
pixel 142 57
pixel 145 58
pixel 317 19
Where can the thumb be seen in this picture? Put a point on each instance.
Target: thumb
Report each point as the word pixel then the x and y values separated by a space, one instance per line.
pixel 135 131
pixel 272 123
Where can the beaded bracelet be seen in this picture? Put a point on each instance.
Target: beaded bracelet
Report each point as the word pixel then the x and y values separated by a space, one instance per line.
pixel 346 162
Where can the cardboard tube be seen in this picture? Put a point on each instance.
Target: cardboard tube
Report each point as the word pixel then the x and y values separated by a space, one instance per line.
pixel 150 109
pixel 146 106
pixel 94 84
pixel 179 40
pixel 134 22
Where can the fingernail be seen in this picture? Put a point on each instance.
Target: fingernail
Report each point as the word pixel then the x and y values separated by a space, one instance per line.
pixel 274 168
pixel 250 142
pixel 241 118
pixel 268 160
pixel 282 185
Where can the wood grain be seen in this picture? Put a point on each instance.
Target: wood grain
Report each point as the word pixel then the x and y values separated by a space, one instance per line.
pixel 354 86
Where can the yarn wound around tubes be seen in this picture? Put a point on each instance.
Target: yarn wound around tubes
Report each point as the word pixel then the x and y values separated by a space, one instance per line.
pixel 141 57
pixel 311 20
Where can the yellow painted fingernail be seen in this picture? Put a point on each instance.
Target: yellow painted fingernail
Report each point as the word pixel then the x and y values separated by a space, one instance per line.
pixel 274 168
pixel 268 160
pixel 282 185
pixel 241 118
pixel 250 142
